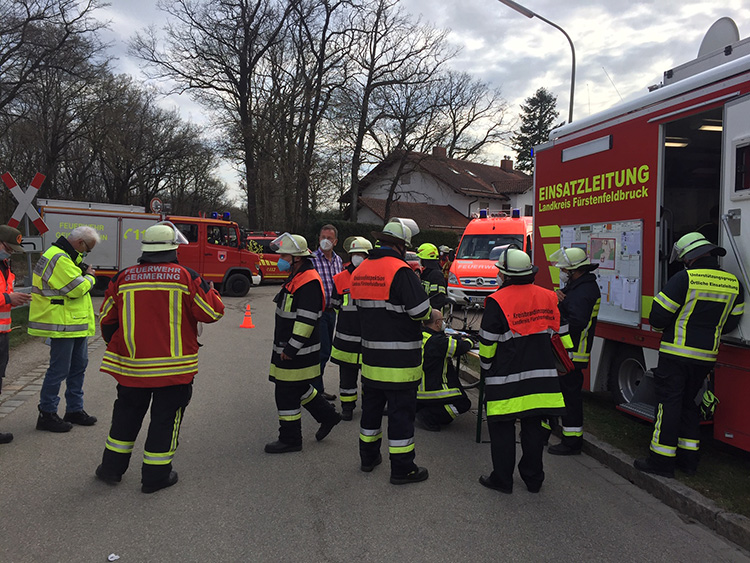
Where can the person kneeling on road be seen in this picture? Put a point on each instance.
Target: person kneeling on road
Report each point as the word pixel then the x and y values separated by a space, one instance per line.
pixel 440 397
pixel 295 361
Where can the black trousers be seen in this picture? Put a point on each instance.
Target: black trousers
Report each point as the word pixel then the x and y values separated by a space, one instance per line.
pixel 444 413
pixel 4 354
pixel 503 447
pixel 167 409
pixel 348 385
pixel 676 436
pixel 572 421
pixel 290 397
pixel 402 406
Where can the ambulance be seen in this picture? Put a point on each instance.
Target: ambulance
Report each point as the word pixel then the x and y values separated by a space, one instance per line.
pixel 473 275
pixel 625 184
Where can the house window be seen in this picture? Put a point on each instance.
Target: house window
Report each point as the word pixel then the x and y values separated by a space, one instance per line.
pixel 506 207
pixel 484 205
pixel 406 179
pixel 528 210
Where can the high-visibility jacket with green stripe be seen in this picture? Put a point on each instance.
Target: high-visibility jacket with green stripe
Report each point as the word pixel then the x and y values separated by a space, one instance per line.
pixel 439 385
pixel 299 306
pixel 60 295
pixel 345 348
pixel 149 318
pixel 391 303
pixel 580 309
pixel 695 308
pixel 434 283
pixel 7 278
pixel 515 351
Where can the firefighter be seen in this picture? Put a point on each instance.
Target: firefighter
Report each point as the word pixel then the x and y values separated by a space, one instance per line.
pixel 149 319
pixel 346 339
pixel 391 303
pixel 696 305
pixel 432 276
pixel 446 254
pixel 518 368
pixel 295 361
pixel 579 301
pixel 440 397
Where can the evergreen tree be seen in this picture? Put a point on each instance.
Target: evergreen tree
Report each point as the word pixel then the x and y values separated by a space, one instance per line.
pixel 539 113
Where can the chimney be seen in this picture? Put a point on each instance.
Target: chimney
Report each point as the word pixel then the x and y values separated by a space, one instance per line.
pixel 506 164
pixel 439 152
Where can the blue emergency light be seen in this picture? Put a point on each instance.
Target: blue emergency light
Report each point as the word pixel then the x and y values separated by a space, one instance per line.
pixel 516 213
pixel 214 215
pixel 482 213
pixel 226 216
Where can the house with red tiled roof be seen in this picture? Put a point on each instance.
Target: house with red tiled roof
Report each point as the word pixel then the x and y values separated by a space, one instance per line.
pixel 444 192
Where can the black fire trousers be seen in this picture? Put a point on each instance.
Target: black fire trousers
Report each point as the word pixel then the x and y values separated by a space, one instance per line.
pixel 503 448
pixel 348 384
pixel 167 409
pixel 572 421
pixel 402 406
pixel 291 396
pixel 676 436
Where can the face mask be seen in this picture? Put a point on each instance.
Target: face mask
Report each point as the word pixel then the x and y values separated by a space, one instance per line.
pixel 357 260
pixel 443 325
pixel 4 255
pixel 499 280
pixel 283 265
pixel 564 277
pixel 326 245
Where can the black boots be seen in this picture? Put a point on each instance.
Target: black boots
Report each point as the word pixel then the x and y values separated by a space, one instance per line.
pixel 51 422
pixel 6 437
pixel 419 474
pixel 80 417
pixel 171 480
pixel 279 447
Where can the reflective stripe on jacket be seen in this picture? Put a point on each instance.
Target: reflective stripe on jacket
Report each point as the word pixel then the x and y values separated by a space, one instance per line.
pixel 516 355
pixel 345 349
pixel 156 308
pixel 60 295
pixel 580 309
pixel 391 303
pixel 695 308
pixel 299 305
pixel 6 287
pixel 436 385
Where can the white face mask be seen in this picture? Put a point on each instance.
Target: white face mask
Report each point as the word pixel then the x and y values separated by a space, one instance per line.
pixel 499 280
pixel 326 245
pixel 357 260
pixel 564 277
pixel 443 325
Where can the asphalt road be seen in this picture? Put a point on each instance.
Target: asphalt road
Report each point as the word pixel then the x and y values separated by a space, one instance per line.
pixel 235 503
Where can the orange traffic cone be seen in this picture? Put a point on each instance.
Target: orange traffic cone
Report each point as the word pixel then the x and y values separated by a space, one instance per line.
pixel 247 322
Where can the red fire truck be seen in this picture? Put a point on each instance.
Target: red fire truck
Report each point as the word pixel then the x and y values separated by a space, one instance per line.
pixel 214 248
pixel 625 184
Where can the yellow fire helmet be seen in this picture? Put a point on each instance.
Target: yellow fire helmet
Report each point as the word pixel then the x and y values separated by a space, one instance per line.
pixel 428 251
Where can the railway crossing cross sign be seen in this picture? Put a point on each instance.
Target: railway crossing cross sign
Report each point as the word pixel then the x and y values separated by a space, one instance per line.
pixel 24 199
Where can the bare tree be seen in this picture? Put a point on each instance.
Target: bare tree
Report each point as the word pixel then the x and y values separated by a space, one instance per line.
pixel 213 51
pixel 388 48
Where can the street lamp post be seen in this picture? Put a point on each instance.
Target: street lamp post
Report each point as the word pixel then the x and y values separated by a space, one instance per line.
pixel 529 14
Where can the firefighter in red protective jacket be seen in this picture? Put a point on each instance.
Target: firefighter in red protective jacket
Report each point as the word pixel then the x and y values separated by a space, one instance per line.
pixel 579 301
pixel 149 319
pixel 295 361
pixel 440 397
pixel 696 306
pixel 518 368
pixel 346 340
pixel 391 303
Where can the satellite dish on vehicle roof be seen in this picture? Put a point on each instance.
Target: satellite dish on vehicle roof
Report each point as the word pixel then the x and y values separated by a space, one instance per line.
pixel 723 32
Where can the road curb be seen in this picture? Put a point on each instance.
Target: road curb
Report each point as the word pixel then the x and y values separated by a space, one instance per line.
pixel 682 498
pixel 735 527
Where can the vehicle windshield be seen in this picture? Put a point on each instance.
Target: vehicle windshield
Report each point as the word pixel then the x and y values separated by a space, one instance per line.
pixel 479 247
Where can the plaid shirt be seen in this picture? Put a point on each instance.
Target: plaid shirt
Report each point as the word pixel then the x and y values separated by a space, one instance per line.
pixel 327 269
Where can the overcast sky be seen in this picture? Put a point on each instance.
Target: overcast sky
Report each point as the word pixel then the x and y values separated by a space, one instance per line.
pixel 633 42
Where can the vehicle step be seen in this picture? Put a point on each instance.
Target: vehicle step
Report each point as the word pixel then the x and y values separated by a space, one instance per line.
pixel 644 411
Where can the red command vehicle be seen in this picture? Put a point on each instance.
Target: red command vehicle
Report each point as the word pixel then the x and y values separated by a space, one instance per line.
pixel 628 182
pixel 259 242
pixel 214 248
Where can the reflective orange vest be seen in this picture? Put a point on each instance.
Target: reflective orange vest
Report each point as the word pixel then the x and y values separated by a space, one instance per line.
pixel 6 286
pixel 372 279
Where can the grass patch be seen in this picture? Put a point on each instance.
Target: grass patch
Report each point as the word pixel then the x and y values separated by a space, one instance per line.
pixel 19 322
pixel 723 474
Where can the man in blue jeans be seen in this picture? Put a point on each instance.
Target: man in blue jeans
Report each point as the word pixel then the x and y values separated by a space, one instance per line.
pixel 61 311
pixel 328 264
